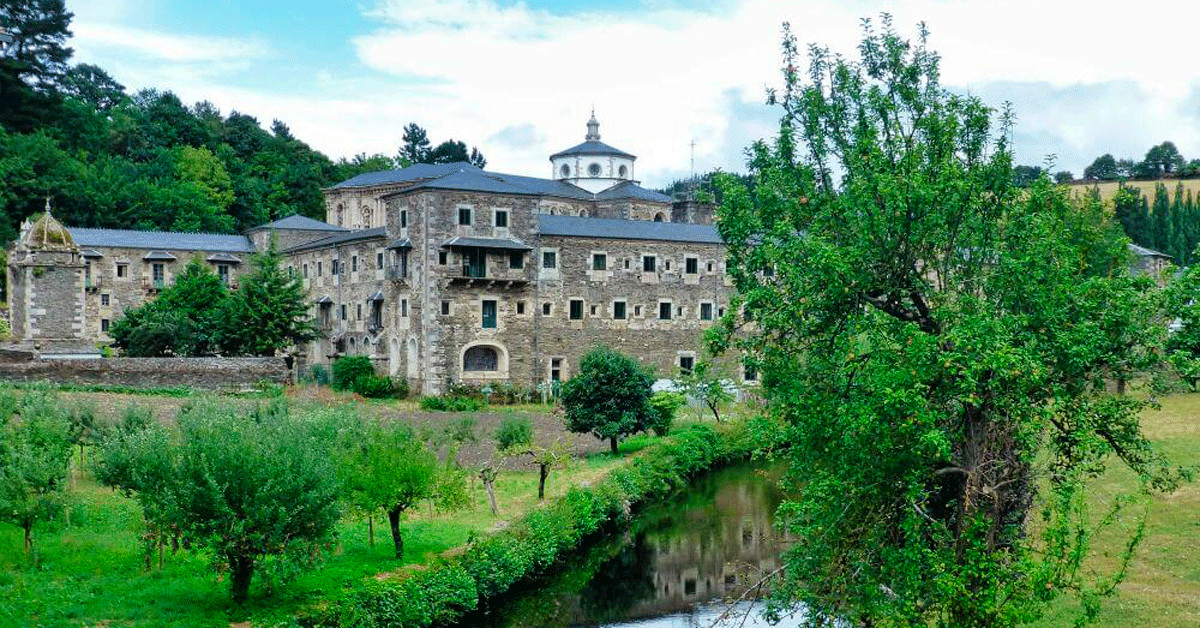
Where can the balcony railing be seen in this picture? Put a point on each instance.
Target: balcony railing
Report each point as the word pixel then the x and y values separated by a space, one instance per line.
pixel 93 284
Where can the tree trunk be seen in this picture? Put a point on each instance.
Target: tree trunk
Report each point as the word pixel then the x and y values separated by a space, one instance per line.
pixel 491 491
pixel 371 530
pixel 715 410
pixel 241 570
pixel 1120 385
pixel 397 540
pixel 612 443
pixel 27 526
pixel 543 472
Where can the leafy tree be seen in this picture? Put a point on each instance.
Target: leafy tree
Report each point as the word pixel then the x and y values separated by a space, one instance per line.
pixel 932 336
pixel 1163 160
pixel 347 369
pixel 386 467
pixel 35 449
pixel 184 320
pixel 34 63
pixel 514 438
pixel 708 384
pixel 447 152
pixel 609 398
pixel 1064 176
pixel 94 87
pixel 268 313
pixel 1104 168
pixel 416 146
pixel 1183 347
pixel 665 405
pixel 514 432
pixel 1024 176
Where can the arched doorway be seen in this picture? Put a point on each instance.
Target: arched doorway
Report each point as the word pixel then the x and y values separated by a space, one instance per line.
pixel 412 368
pixel 394 358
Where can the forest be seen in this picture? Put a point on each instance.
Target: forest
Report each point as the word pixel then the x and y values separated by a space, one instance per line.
pixel 106 157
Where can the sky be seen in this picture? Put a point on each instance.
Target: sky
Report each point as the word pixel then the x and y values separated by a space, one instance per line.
pixel 519 79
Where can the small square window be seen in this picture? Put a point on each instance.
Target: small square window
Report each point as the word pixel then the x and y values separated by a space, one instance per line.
pixel 549 259
pixel 122 270
pixel 626 263
pixel 706 311
pixel 686 362
pixel 599 261
pixel 445 308
pixel 104 325
pixel 619 310
pixel 464 216
pixel 104 299
pixel 749 373
pixel 664 311
pixel 516 259
pixel 593 310
pixel 556 369
pixel 720 311
pixel 648 263
pixel 443 257
pixel 501 218
pixel 710 267
pixel 546 309
pixel 637 310
pixel 520 307
pixel 667 264
pixel 691 266
pixel 576 312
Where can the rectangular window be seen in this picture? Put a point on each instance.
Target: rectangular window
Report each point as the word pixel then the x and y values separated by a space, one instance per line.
pixel 305 269
pixel 749 373
pixel 664 311
pixel 378 260
pixel 637 310
pixel 593 310
pixel 626 263
pixel 377 314
pixel 403 263
pixel 549 259
pixel 103 325
pixel 576 312
pixel 599 261
pixel 318 269
pixel 403 218
pixel 516 259
pixel 403 307
pixel 556 369
pixel 501 218
pixel 158 272
pixel 475 262
pixel 520 307
pixel 445 308
pixel 706 311
pixel 223 273
pixel 648 263
pixel 691 266
pixel 619 310
pixel 122 270
pixel 353 263
pixel 104 299
pixel 667 264
pixel 442 258
pixel 710 267
pixel 489 314
pixel 686 362
pixel 343 311
pixel 334 267
pixel 464 216
pixel 546 309
pixel 358 312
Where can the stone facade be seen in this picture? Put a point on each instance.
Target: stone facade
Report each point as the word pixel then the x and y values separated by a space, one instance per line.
pixel 219 374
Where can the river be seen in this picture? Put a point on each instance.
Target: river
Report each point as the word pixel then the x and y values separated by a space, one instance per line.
pixel 683 562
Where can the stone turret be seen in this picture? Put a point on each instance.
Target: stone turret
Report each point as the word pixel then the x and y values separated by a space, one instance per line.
pixel 46 283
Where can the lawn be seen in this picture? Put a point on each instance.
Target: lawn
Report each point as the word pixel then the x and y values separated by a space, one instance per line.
pixel 90 570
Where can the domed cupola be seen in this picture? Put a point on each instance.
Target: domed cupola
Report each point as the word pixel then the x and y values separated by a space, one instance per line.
pixel 593 165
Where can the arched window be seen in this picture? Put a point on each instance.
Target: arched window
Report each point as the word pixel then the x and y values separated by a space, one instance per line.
pixel 565 170
pixel 658 217
pixel 583 213
pixel 594 170
pixel 366 217
pixel 481 358
pixel 351 346
pixel 623 172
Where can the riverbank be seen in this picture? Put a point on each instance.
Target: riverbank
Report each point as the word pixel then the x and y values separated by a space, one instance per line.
pixel 452 587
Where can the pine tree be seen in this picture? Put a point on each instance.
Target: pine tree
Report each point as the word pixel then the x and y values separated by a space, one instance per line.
pixel 35 62
pixel 269 313
pixel 1142 232
pixel 1160 225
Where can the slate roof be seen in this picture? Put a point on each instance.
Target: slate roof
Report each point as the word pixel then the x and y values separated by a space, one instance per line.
pixel 223 257
pixel 593 147
pixel 414 172
pixel 463 176
pixel 159 255
pixel 1142 251
pixel 296 221
pixel 579 226
pixel 486 243
pixel 130 239
pixel 340 238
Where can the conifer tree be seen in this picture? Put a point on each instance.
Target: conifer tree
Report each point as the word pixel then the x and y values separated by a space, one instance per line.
pixel 269 313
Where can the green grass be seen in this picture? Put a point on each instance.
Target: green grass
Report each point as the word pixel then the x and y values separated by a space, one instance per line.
pixel 91 571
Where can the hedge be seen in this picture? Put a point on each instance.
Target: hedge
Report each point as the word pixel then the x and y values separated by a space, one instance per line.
pixel 452 587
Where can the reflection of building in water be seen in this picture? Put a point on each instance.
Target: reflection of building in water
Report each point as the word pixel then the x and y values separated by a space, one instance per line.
pixel 716 550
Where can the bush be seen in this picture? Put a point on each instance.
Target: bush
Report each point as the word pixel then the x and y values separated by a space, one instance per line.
pixel 514 431
pixel 451 403
pixel 347 370
pixel 374 386
pixel 402 390
pixel 319 374
pixel 665 404
pixel 609 398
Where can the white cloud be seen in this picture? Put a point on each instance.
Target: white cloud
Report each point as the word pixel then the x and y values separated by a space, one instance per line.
pixel 1083 80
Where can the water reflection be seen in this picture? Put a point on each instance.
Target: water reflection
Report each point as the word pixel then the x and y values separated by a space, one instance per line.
pixel 679 564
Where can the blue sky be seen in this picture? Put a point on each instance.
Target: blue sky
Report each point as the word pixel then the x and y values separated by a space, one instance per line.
pixel 518 79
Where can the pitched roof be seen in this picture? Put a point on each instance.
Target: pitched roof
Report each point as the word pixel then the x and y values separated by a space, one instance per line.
pixel 579 226
pixel 475 181
pixel 296 221
pixel 593 147
pixel 340 238
pixel 629 189
pixel 486 243
pixel 127 238
pixel 415 172
pixel 1142 251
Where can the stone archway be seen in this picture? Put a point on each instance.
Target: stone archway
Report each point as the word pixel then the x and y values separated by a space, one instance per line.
pixel 394 357
pixel 412 368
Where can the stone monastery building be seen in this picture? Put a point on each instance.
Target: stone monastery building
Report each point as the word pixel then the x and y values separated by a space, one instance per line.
pixel 441 273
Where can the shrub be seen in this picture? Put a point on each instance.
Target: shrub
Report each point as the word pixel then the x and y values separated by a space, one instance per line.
pixel 374 386
pixel 450 403
pixel 514 431
pixel 402 390
pixel 609 398
pixel 319 374
pixel 347 370
pixel 665 404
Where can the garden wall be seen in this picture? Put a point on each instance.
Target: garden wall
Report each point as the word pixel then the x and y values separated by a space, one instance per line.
pixel 200 373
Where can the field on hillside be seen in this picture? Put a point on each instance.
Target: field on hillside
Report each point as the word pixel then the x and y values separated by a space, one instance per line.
pixel 1109 188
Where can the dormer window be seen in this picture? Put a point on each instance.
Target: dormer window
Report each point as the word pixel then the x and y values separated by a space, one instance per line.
pixel 566 171
pixel 623 172
pixel 594 170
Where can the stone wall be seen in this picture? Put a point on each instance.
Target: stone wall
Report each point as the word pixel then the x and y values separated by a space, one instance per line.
pixel 199 373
